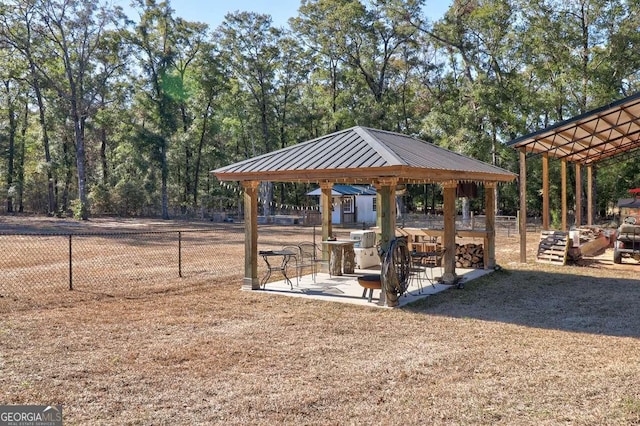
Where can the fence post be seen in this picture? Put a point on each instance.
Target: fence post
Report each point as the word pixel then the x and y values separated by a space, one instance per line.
pixel 180 254
pixel 70 265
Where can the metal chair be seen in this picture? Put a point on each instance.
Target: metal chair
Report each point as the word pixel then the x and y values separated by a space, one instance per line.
pixel 432 262
pixel 417 271
pixel 296 256
pixel 309 258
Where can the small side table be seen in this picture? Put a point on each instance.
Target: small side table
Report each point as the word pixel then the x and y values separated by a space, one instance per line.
pixel 278 267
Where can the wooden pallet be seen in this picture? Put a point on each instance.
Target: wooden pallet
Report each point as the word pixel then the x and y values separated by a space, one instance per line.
pixel 553 247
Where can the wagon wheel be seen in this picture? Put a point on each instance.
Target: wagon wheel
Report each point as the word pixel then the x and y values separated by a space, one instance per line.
pixel 395 269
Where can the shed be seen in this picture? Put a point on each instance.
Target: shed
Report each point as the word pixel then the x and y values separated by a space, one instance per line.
pixel 351 204
pixel 366 156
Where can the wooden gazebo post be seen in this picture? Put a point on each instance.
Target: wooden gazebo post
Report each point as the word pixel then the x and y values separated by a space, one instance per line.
pixel 250 281
pixel 325 201
pixel 386 187
pixel 449 238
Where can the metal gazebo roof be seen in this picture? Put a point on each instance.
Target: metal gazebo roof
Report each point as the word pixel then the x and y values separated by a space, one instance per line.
pixel 596 135
pixel 360 155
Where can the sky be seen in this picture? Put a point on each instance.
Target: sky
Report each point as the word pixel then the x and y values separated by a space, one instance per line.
pixel 212 12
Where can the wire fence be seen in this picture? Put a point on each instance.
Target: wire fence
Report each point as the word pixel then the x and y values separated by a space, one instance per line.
pixel 38 266
pixel 503 225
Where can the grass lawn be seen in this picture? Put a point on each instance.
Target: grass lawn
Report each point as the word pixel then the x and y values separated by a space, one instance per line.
pixel 530 344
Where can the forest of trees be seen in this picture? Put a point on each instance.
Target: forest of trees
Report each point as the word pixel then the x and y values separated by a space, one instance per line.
pixel 102 113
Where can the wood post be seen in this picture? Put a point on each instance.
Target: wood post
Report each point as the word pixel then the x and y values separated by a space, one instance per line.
pixel 523 207
pixel 326 201
pixel 490 227
pixel 387 216
pixel 589 195
pixel 449 238
pixel 545 192
pixel 563 173
pixel 578 195
pixel 250 281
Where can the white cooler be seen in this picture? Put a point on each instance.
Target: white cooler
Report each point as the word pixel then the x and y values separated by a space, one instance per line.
pixel 366 257
pixel 365 239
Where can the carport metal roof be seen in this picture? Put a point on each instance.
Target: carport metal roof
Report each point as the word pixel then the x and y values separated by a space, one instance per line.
pixel 588 138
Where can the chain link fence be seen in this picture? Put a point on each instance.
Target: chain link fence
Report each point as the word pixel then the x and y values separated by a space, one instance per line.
pixel 36 268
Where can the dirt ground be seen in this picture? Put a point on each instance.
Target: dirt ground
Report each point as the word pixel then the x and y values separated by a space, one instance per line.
pixel 528 344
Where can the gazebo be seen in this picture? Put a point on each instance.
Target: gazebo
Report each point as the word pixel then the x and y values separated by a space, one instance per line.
pixel 366 156
pixel 586 140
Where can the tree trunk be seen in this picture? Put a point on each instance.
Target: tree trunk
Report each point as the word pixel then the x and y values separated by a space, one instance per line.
pixel 68 175
pixel 188 155
pixel 20 171
pixel 103 155
pixel 198 161
pixel 165 175
pixel 47 152
pixel 13 125
pixel 103 146
pixel 78 128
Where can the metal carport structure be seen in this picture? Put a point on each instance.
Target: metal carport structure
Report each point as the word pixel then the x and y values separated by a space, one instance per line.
pixel 584 140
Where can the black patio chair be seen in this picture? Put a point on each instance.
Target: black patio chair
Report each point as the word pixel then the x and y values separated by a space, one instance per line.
pixel 296 257
pixel 309 258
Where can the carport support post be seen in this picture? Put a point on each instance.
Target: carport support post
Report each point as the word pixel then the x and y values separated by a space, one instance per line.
pixel 490 227
pixel 578 195
pixel 449 238
pixel 545 192
pixel 589 195
pixel 563 176
pixel 250 281
pixel 523 207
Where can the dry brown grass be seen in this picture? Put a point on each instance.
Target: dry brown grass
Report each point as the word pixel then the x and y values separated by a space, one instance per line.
pixel 531 344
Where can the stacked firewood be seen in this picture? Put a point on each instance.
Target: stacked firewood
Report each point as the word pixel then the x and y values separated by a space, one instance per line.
pixel 593 241
pixel 588 234
pixel 469 256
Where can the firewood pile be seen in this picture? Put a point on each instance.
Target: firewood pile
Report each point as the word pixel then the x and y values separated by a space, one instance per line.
pixel 469 256
pixel 592 242
pixel 588 234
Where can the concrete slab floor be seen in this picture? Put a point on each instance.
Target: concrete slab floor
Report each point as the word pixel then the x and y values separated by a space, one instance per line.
pixel 345 288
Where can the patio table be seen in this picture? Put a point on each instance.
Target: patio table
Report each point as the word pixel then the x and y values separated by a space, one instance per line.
pixel 279 266
pixel 336 264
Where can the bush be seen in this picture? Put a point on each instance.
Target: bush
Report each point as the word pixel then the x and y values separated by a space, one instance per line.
pixel 100 199
pixel 128 198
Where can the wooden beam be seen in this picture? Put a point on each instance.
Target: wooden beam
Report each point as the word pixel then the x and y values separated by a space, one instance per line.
pixel 545 192
pixel 523 207
pixel 578 195
pixel 449 239
pixel 490 225
pixel 250 281
pixel 366 174
pixel 563 176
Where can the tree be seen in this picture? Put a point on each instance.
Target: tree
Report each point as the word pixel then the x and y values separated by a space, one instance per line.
pixel 369 42
pixel 153 38
pixel 18 21
pixel 250 47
